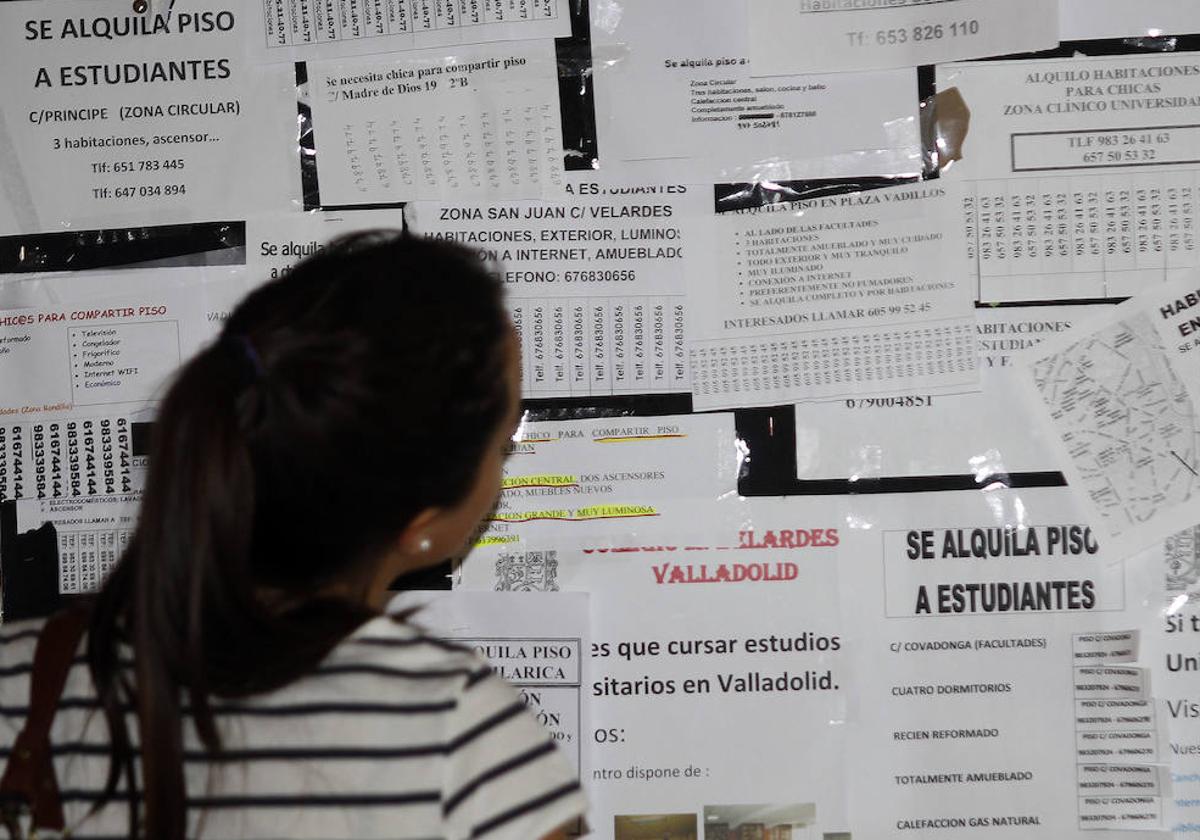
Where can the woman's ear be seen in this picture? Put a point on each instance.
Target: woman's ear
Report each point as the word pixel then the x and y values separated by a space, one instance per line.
pixel 417 546
pixel 419 543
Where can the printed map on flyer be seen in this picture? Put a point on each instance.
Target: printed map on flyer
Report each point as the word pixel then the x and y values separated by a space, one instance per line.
pixel 1118 397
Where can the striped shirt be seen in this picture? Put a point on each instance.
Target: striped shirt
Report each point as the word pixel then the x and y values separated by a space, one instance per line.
pixel 394 735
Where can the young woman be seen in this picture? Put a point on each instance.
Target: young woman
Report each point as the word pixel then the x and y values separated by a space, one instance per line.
pixel 240 678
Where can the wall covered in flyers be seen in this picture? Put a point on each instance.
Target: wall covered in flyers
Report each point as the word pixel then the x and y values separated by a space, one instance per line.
pixel 859 348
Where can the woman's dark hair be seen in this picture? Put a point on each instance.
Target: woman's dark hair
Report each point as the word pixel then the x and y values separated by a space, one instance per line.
pixel 339 401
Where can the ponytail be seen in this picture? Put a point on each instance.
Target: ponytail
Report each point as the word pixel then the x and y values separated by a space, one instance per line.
pixel 192 618
pixel 196 517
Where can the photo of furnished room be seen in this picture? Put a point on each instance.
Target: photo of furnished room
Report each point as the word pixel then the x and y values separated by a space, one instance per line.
pixel 761 822
pixel 655 827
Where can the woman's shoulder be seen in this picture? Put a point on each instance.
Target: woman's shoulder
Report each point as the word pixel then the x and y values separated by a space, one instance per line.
pixel 391 646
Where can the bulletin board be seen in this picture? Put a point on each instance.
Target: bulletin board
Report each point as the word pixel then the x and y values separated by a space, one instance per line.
pixel 855 492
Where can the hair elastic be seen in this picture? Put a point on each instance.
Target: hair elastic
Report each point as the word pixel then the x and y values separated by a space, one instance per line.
pixel 246 347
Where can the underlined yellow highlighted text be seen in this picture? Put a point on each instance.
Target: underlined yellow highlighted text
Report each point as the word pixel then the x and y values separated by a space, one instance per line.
pixel 513 482
pixel 584 514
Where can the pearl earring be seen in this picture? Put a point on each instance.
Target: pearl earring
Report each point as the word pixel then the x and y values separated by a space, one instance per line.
pixel 424 545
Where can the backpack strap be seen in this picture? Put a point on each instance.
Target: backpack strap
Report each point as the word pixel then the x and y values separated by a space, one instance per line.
pixel 29 774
